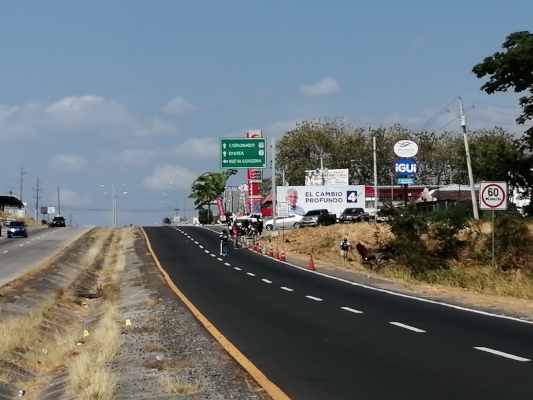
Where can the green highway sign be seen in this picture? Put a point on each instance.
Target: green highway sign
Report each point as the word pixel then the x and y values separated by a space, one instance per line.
pixel 243 153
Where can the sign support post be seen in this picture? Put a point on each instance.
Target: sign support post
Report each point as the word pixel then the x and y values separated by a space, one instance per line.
pixel 493 259
pixel 493 196
pixel 273 191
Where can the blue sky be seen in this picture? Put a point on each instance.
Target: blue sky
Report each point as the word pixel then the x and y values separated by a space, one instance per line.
pixel 139 92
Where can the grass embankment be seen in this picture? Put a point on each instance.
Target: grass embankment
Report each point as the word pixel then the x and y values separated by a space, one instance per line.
pixel 66 348
pixel 464 272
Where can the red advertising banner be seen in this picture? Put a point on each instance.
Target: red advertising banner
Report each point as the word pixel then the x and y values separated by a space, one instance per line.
pixel 254 201
pixel 220 206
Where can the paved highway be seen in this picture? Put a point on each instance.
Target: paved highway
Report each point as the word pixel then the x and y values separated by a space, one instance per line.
pixel 18 256
pixel 322 338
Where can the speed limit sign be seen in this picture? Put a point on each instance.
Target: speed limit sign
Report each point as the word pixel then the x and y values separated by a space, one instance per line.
pixel 493 196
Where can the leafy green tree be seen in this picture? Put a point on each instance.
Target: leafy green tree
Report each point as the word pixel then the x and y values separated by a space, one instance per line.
pixel 207 187
pixel 512 69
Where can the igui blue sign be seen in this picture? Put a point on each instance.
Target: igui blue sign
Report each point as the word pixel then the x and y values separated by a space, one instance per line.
pixel 405 167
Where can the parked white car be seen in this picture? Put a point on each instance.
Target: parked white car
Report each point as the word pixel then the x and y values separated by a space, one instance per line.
pixel 292 221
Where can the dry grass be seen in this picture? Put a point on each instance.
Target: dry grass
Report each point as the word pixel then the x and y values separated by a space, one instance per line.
pixel 323 244
pixel 14 330
pixel 166 364
pixel 175 386
pixel 150 303
pixel 155 347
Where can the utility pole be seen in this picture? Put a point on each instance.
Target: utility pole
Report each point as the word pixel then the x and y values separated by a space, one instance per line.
pixel 37 197
pixel 468 162
pixel 273 171
pixel 376 200
pixel 58 203
pixel 22 173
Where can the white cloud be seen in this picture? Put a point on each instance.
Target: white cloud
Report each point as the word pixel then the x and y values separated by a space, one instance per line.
pixel 198 148
pixel 178 105
pixel 87 114
pixel 323 87
pixel 136 157
pixel 68 163
pixel 72 198
pixel 180 177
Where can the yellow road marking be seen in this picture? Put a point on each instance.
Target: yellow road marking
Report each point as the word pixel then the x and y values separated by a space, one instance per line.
pixel 275 392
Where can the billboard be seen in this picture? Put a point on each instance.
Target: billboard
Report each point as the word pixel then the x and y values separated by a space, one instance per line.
pixel 335 198
pixel 313 177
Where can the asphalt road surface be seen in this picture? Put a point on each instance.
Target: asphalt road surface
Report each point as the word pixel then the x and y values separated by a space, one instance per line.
pixel 322 338
pixel 18 256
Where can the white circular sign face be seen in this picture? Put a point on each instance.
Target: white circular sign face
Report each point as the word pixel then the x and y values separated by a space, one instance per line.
pixel 493 196
pixel 406 148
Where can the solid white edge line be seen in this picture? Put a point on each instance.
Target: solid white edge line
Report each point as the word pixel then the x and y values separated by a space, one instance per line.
pixel 501 353
pixel 266 281
pixel 352 310
pixel 314 298
pixel 406 296
pixel 411 328
pixel 287 289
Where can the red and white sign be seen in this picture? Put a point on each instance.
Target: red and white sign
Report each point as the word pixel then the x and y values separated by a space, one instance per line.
pixel 254 200
pixel 493 196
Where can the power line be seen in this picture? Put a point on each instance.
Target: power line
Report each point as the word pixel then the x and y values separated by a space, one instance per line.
pixel 491 104
pixel 442 127
pixel 434 118
pixel 497 112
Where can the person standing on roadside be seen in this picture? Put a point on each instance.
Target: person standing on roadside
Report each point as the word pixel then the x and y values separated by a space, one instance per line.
pixel 345 248
pixel 224 239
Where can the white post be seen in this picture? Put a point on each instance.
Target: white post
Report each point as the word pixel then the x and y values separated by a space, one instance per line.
pixel 376 200
pixel 273 191
pixel 469 163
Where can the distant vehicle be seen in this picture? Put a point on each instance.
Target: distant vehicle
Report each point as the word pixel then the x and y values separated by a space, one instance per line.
pixel 292 221
pixel 382 217
pixel 58 221
pixel 354 215
pixel 250 217
pixel 318 217
pixel 166 221
pixel 17 228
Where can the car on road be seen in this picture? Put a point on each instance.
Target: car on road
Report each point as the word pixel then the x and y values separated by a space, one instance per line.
pixel 319 217
pixel 58 221
pixel 292 221
pixel 354 214
pixel 17 228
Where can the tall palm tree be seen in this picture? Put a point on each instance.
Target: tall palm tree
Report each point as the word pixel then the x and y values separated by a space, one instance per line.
pixel 208 187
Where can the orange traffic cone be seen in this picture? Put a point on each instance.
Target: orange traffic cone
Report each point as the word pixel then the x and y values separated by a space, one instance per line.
pixel 259 248
pixel 271 252
pixel 311 264
pixel 282 258
pixel 276 254
pixel 255 246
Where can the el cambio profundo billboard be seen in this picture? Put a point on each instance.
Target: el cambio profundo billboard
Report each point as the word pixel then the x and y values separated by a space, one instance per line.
pixel 334 198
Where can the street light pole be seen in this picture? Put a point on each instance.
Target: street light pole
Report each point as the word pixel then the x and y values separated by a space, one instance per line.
pixel 468 162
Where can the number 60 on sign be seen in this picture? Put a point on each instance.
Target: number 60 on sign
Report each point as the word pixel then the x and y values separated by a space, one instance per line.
pixel 493 196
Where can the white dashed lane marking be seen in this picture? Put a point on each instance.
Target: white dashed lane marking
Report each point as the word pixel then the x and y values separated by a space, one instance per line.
pixel 201 246
pixel 287 289
pixel 249 273
pixel 266 281
pixel 212 255
pixel 352 310
pixel 207 251
pixel 411 328
pixel 502 354
pixel 237 268
pixel 219 259
pixel 314 298
pixel 5 251
pixel 227 264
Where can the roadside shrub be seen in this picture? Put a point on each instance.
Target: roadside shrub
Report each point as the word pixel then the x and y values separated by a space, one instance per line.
pixel 513 242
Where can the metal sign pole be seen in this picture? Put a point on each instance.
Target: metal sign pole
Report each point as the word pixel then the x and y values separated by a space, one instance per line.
pixel 493 261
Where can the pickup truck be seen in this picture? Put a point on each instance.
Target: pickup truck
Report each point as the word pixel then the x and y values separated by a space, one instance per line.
pixel 354 215
pixel 58 221
pixel 318 217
